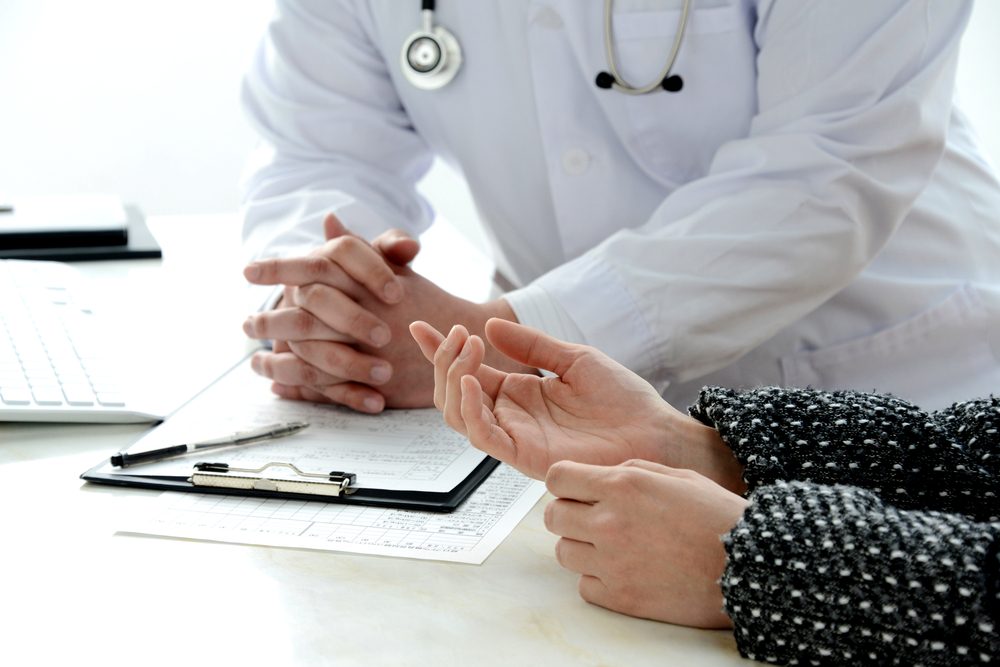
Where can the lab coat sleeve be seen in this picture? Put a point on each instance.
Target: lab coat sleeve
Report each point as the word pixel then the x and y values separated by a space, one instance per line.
pixel 853 106
pixel 334 134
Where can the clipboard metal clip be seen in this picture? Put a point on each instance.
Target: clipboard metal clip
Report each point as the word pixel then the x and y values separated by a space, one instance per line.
pixel 223 475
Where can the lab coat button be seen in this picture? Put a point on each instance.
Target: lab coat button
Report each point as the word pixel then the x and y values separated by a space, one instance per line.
pixel 575 161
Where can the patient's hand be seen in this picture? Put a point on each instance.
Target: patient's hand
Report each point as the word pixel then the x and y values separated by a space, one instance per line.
pixel 644 538
pixel 594 411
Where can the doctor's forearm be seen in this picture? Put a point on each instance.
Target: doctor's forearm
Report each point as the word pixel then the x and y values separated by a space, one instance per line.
pixel 791 214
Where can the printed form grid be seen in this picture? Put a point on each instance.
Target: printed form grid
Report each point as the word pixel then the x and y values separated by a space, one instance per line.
pixel 320 522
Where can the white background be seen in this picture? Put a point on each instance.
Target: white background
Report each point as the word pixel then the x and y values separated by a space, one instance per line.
pixel 140 99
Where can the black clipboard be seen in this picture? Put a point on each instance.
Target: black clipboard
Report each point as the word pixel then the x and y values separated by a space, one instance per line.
pixel 409 500
pixel 355 495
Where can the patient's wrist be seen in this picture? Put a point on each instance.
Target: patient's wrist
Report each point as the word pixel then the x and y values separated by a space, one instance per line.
pixel 700 448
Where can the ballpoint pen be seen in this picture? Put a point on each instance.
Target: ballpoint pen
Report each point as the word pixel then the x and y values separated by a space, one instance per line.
pixel 270 432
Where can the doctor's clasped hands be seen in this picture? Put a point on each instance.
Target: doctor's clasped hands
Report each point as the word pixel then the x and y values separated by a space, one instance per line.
pixel 340 328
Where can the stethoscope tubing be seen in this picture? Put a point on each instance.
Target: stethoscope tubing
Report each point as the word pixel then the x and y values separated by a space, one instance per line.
pixel 620 83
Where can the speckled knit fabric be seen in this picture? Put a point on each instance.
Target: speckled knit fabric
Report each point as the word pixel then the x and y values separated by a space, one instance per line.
pixel 873 530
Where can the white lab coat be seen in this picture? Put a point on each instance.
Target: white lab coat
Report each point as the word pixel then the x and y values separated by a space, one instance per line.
pixel 809 210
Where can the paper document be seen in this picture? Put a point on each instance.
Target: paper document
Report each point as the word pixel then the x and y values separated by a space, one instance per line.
pixel 467 535
pixel 398 450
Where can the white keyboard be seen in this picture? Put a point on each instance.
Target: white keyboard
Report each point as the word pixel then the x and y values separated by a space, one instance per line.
pixel 57 359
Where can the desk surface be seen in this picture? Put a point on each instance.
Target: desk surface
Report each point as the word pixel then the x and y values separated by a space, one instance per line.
pixel 74 592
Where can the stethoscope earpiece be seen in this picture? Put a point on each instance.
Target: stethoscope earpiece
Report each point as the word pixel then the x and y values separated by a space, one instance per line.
pixel 431 56
pixel 671 83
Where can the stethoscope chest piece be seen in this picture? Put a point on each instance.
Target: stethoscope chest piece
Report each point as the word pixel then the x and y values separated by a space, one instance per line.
pixel 430 57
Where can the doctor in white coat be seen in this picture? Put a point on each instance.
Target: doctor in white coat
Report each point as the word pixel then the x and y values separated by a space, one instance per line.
pixel 789 198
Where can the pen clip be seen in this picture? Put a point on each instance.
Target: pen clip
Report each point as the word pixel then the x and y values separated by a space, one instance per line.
pixel 223 475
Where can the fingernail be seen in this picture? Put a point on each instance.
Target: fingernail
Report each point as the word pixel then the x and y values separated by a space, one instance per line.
pixel 252 272
pixel 393 291
pixel 449 341
pixel 380 335
pixel 466 349
pixel 248 327
pixel 381 373
pixel 373 404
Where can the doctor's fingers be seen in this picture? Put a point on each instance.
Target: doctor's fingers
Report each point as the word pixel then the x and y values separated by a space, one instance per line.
pixel 351 394
pixel 397 246
pixel 296 380
pixel 288 369
pixel 299 271
pixel 341 262
pixel 290 324
pixel 365 265
pixel 341 361
pixel 341 313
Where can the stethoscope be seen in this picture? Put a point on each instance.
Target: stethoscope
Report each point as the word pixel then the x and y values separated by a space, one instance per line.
pixel 431 56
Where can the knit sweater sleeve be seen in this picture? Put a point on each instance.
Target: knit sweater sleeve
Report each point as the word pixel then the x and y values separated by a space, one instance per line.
pixel 947 460
pixel 833 575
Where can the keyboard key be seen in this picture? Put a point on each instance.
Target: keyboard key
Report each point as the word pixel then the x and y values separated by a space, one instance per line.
pixel 15 395
pixel 111 388
pixel 11 376
pixel 110 400
pixel 79 394
pixel 47 395
pixel 41 376
pixel 72 376
pixel 60 354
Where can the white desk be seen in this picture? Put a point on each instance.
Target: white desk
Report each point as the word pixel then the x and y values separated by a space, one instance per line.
pixel 73 592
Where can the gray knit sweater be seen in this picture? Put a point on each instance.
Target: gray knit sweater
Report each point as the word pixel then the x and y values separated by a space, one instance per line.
pixel 872 535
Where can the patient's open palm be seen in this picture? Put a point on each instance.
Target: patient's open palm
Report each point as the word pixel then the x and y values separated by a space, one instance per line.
pixel 592 411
